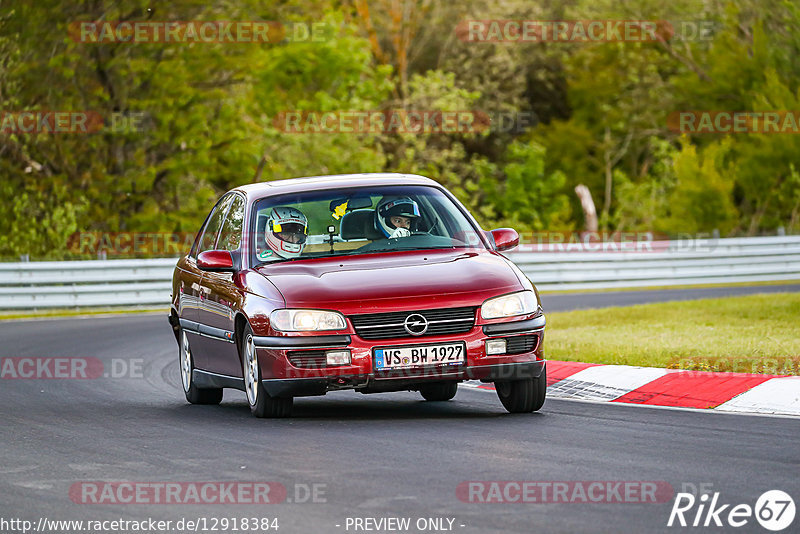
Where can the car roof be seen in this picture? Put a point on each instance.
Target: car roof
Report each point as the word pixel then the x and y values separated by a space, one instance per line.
pixel 311 183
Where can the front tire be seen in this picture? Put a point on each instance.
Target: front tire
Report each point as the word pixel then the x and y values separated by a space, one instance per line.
pixel 261 404
pixel 193 394
pixel 439 392
pixel 522 396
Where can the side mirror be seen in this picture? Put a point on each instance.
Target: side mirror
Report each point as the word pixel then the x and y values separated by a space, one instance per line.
pixel 217 261
pixel 505 238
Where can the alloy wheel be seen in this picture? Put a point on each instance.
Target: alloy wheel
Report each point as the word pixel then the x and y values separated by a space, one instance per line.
pixel 186 362
pixel 251 370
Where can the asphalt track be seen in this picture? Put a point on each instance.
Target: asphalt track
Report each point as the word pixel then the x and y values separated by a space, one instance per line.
pixel 388 455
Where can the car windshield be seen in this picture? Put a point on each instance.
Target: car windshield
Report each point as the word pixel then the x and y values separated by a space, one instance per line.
pixel 364 220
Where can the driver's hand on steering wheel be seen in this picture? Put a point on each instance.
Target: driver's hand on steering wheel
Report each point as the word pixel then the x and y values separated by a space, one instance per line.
pixel 400 232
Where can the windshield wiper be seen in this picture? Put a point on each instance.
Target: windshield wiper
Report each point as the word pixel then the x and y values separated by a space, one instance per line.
pixel 275 261
pixel 401 248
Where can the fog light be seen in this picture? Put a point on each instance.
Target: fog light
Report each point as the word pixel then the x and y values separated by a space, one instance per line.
pixel 338 357
pixel 495 346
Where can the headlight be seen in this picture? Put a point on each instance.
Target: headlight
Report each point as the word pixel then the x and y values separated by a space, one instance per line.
pixel 521 303
pixel 306 320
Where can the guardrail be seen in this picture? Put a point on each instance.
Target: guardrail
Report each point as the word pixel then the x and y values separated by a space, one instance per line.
pixel 34 285
pixel 691 262
pixel 68 284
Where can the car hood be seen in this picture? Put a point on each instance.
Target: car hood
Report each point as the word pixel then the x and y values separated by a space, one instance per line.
pixel 394 282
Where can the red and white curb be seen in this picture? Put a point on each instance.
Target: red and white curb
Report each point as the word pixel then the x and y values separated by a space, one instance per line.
pixel 728 392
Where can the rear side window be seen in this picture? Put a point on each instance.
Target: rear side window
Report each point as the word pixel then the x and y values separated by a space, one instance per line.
pixel 211 231
pixel 231 234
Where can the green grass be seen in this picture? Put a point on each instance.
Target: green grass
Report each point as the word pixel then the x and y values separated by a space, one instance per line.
pixel 750 334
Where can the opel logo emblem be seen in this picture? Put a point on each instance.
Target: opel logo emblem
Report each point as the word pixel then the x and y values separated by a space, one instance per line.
pixel 416 324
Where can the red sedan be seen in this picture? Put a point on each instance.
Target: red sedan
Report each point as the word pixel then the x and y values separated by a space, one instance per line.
pixel 372 282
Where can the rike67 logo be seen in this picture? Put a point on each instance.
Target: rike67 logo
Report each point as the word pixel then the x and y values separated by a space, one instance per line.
pixel 774 510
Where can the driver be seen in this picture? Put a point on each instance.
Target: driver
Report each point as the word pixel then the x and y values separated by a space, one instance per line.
pixel 397 217
pixel 286 233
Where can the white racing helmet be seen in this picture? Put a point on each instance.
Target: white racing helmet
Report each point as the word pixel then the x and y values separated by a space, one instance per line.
pixel 395 207
pixel 286 232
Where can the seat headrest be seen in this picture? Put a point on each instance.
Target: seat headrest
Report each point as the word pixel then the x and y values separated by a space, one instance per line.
pixel 261 228
pixel 359 224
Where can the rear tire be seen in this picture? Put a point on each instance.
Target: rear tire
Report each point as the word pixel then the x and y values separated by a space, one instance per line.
pixel 522 396
pixel 193 394
pixel 439 392
pixel 261 404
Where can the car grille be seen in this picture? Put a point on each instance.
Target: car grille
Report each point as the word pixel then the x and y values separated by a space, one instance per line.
pixel 521 344
pixel 390 325
pixel 308 359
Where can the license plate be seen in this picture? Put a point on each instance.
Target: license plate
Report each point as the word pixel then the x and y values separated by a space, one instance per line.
pixel 419 356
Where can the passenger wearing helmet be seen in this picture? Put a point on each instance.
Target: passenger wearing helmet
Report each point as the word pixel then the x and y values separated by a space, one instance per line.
pixel 397 217
pixel 286 233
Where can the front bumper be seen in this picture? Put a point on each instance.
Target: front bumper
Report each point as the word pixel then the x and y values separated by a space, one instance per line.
pixel 282 379
pixel 304 387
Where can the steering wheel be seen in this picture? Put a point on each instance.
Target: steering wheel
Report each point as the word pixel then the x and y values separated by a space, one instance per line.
pixel 430 230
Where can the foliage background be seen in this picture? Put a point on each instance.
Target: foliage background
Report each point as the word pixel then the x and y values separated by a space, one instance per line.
pixel 601 112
